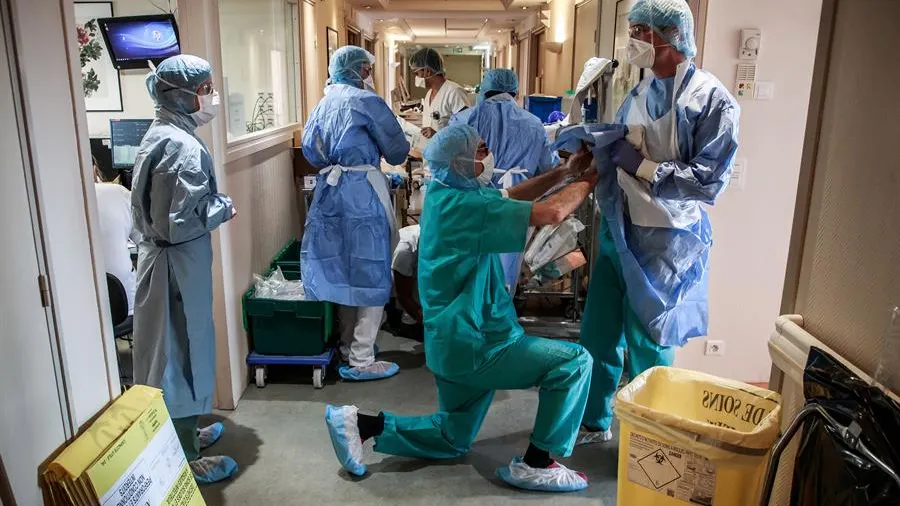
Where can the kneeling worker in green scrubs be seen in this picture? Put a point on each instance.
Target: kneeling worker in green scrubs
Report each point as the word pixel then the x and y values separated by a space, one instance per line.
pixel 474 344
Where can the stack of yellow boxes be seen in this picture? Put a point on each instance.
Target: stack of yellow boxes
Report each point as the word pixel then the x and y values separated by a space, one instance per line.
pixel 130 455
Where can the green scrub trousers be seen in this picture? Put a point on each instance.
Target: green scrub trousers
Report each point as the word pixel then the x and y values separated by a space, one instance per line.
pixel 609 327
pixel 561 370
pixel 189 435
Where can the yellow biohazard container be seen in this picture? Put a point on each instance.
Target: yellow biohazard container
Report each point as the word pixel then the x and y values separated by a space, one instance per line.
pixel 692 438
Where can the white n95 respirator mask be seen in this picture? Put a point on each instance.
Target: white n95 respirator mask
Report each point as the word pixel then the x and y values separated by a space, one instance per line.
pixel 420 82
pixel 484 179
pixel 640 53
pixel 209 108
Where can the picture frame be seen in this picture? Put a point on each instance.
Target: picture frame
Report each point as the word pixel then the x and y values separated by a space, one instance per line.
pixel 100 79
pixel 331 43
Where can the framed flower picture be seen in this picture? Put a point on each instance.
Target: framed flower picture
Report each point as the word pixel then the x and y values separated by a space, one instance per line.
pixel 100 80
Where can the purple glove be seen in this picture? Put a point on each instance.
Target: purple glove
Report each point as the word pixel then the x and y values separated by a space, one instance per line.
pixel 624 155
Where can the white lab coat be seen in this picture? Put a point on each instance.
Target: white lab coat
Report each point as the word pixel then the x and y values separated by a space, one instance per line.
pixel 450 99
pixel 114 204
pixel 406 254
pixel 406 260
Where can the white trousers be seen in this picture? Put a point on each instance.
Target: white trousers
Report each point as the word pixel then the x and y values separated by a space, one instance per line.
pixel 359 329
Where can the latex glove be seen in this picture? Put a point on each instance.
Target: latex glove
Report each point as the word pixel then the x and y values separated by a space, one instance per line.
pixel 624 155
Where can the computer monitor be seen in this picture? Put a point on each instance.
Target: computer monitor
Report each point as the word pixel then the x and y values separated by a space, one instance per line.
pixel 134 40
pixel 125 137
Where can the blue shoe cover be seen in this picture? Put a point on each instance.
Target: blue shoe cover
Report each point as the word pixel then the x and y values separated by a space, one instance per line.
pixel 210 434
pixel 213 469
pixel 556 478
pixel 344 431
pixel 375 371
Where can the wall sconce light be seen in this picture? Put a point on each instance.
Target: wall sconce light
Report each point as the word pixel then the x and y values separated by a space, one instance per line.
pixel 553 47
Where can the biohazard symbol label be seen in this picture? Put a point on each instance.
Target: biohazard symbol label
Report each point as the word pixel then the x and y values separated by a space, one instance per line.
pixel 659 469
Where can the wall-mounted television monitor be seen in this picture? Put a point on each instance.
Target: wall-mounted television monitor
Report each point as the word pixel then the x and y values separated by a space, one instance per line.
pixel 132 41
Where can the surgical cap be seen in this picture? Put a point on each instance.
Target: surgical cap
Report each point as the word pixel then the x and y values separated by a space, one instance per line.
pixel 670 18
pixel 346 65
pixel 427 58
pixel 451 156
pixel 502 80
pixel 173 86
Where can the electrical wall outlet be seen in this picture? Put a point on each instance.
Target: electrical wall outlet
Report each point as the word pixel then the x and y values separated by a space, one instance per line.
pixel 715 348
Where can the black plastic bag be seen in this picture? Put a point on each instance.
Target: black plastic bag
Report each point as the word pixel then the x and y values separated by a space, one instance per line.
pixel 829 471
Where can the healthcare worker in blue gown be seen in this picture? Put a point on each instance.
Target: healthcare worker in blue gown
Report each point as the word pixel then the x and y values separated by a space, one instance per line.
pixel 350 231
pixel 519 146
pixel 648 291
pixel 176 204
pixel 473 342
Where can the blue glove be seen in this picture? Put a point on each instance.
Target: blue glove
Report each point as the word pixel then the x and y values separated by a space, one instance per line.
pixel 624 155
pixel 397 179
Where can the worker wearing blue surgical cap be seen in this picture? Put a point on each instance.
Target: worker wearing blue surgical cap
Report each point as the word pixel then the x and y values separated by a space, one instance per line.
pixel 648 292
pixel 474 344
pixel 350 231
pixel 518 144
pixel 176 204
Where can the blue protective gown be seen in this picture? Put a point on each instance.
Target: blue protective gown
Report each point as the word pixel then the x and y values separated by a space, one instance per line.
pixel 176 204
pixel 518 141
pixel 346 250
pixel 515 137
pixel 649 286
pixel 666 269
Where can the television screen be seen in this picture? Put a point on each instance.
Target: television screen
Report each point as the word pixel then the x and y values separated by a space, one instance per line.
pixel 134 40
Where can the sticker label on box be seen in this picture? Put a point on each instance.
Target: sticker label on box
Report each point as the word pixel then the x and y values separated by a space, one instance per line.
pixel 676 472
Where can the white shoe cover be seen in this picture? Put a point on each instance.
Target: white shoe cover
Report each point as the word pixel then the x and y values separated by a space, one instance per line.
pixel 556 478
pixel 586 437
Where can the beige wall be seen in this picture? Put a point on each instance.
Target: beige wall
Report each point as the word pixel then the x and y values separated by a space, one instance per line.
pixel 586 31
pixel 752 226
pixel 262 188
pixel 312 89
pixel 331 15
pixel 558 66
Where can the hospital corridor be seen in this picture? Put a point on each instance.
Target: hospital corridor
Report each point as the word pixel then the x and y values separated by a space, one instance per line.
pixel 458 252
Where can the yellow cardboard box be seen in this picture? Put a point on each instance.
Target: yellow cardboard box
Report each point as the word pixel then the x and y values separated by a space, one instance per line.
pixel 130 455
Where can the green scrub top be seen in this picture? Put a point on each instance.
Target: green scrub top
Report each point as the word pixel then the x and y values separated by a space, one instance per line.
pixel 468 311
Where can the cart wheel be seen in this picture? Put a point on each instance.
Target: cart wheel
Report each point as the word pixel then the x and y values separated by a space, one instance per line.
pixel 318 378
pixel 260 376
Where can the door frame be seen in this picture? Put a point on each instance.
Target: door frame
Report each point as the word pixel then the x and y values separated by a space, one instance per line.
pixel 797 248
pixel 534 60
pixel 37 222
